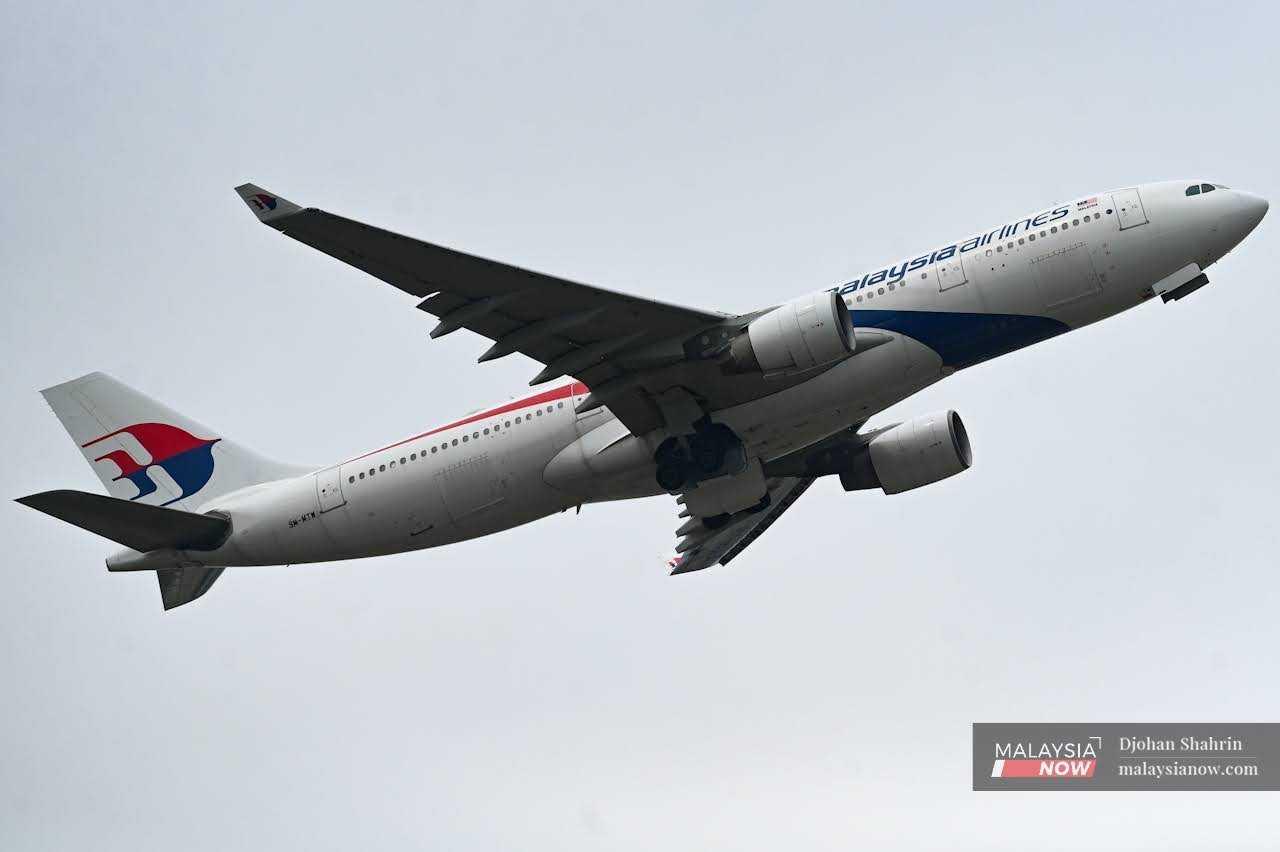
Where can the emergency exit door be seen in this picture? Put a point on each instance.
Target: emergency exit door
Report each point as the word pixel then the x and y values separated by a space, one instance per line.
pixel 950 273
pixel 329 489
pixel 1129 209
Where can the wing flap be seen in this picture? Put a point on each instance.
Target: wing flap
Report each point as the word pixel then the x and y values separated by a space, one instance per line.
pixel 701 548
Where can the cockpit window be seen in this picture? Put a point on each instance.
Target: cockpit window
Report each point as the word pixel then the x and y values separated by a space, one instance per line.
pixel 1206 187
pixel 1194 189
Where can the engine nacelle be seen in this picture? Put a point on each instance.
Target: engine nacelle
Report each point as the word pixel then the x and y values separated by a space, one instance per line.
pixel 808 332
pixel 911 454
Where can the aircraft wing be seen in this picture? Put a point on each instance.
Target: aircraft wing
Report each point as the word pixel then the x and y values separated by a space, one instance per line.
pixel 609 341
pixel 701 548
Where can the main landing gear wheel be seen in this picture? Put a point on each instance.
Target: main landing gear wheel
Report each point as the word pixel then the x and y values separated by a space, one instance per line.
pixel 708 451
pixel 672 473
pixel 673 467
pixel 711 451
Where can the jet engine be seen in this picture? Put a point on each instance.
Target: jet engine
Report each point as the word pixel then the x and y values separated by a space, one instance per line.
pixel 808 332
pixel 915 453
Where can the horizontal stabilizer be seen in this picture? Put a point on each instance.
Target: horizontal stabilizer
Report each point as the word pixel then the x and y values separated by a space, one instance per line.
pixel 136 525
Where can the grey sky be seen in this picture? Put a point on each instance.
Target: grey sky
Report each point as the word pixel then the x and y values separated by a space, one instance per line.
pixel 1110 557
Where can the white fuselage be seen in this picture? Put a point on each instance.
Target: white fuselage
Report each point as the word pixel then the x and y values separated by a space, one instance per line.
pixel 999 290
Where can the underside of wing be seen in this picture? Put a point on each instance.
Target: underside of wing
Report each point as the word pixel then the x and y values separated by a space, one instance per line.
pixel 603 338
pixel 702 545
pixel 629 351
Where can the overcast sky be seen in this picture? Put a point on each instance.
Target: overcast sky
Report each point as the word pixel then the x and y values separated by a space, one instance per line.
pixel 1111 556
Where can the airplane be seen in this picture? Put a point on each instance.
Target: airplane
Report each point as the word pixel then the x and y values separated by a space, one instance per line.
pixel 735 415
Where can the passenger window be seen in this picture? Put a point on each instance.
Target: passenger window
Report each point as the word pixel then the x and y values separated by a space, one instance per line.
pixel 539 412
pixel 475 434
pixel 402 460
pixel 393 462
pixel 1076 222
pixel 507 424
pixel 372 471
pixel 351 479
pixel 486 431
pixel 1010 246
pixel 382 468
pixel 1206 187
pixel 433 449
pixel 362 474
pixel 999 249
pixel 1043 234
pixel 1021 241
pixel 1054 229
pixel 859 298
pixel 413 456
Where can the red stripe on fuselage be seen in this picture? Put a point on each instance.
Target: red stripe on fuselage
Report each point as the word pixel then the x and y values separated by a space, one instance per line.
pixel 562 392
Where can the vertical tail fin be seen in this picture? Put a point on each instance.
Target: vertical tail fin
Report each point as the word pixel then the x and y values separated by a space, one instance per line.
pixel 144 451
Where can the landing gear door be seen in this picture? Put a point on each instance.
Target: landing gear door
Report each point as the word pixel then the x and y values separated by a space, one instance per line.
pixel 329 489
pixel 950 273
pixel 1129 209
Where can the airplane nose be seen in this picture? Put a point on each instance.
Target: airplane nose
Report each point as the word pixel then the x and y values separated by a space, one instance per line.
pixel 1239 219
pixel 1253 207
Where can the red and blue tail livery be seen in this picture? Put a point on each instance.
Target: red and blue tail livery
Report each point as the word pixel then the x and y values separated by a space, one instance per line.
pixel 267 206
pixel 187 460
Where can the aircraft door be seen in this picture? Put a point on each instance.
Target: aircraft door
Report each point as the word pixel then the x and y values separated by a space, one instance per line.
pixel 1129 209
pixel 329 489
pixel 950 273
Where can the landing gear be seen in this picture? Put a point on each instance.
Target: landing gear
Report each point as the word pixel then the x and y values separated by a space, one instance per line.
pixel 672 475
pixel 710 451
pixel 673 465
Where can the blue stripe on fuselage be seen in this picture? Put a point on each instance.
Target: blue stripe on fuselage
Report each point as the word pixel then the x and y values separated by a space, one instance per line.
pixel 963 340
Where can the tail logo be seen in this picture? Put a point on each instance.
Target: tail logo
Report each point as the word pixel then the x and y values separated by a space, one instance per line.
pixel 262 201
pixel 187 459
